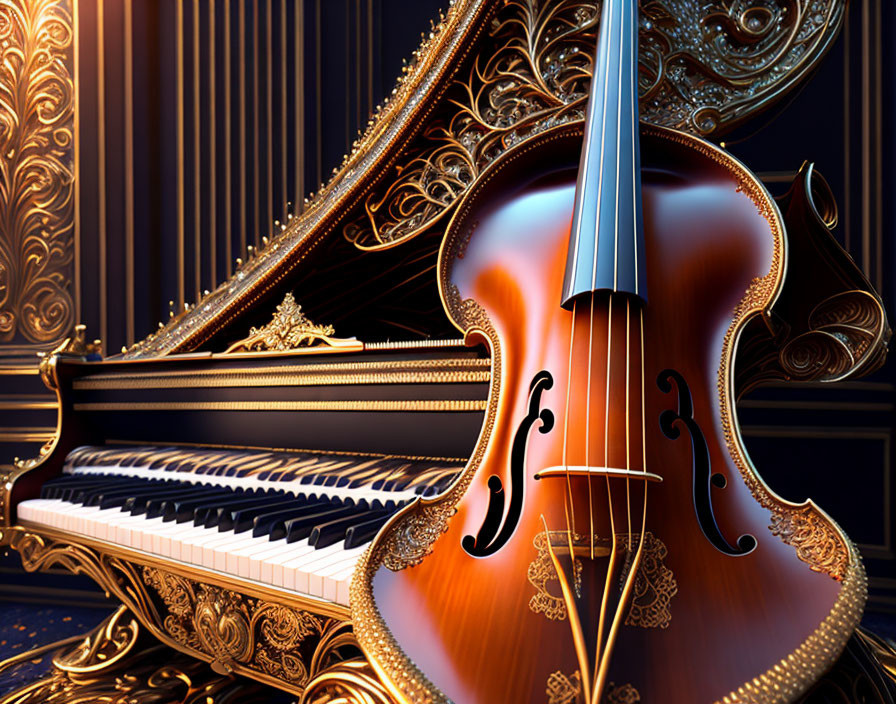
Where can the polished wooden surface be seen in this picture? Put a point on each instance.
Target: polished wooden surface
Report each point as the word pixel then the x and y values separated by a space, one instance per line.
pixel 466 622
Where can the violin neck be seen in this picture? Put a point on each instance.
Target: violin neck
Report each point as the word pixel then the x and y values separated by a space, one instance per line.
pixel 606 244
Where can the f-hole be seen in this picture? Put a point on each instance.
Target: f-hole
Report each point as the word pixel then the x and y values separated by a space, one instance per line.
pixel 704 480
pixel 493 534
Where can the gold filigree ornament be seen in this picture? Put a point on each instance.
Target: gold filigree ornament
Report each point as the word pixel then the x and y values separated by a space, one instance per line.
pixel 36 179
pixel 563 689
pixel 289 329
pixel 653 588
pixel 119 664
pixel 622 694
pixel 704 67
pixel 296 649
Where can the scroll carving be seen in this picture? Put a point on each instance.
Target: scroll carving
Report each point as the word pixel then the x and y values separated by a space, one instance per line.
pixel 36 180
pixel 233 628
pixel 294 649
pixel 845 334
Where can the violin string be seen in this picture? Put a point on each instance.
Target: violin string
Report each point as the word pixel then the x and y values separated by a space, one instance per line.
pixel 628 506
pixel 612 560
pixel 600 657
pixel 588 428
pixel 603 76
pixel 569 507
pixel 602 664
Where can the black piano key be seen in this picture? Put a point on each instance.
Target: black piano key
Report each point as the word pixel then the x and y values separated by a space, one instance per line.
pixel 203 512
pixel 300 528
pixel 226 515
pixel 362 533
pixel 95 496
pixel 182 510
pixel 136 505
pixel 265 523
pixel 86 494
pixel 243 519
pixel 157 506
pixel 53 488
pixel 332 532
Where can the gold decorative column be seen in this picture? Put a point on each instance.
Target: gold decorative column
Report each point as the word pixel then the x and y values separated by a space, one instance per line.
pixel 37 155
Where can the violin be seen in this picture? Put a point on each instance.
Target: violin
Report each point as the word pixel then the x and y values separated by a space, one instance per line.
pixel 609 540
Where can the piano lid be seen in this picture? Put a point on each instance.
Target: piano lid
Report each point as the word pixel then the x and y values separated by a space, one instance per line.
pixel 489 76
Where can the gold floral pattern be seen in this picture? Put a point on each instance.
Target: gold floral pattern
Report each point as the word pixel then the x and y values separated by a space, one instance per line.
pixel 623 694
pixel 654 587
pixel 234 628
pixel 562 689
pixel 36 181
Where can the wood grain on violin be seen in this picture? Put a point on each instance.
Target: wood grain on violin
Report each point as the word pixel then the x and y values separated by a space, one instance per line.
pixel 609 540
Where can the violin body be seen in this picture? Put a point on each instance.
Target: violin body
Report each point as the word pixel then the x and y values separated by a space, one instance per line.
pixel 735 595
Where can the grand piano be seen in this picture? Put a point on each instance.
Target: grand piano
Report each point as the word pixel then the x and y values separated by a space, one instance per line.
pixel 224 477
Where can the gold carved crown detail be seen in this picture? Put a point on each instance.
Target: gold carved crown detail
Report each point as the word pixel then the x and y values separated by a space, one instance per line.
pixel 289 329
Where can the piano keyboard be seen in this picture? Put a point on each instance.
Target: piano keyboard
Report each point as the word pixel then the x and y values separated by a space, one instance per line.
pixel 297 520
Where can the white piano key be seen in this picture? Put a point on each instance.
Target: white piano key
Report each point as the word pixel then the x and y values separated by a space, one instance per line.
pixel 293 575
pixel 317 570
pixel 343 584
pixel 327 587
pixel 272 568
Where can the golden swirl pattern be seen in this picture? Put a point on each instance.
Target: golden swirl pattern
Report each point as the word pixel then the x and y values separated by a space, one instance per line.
pixel 36 180
pixel 236 629
pixel 271 642
pixel 117 662
pixel 845 332
pixel 704 68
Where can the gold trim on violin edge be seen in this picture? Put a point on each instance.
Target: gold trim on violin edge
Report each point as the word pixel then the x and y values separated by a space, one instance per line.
pixel 818 541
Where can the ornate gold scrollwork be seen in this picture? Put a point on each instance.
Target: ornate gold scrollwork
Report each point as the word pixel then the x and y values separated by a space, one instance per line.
pixel 563 689
pixel 104 647
pixel 282 645
pixel 239 630
pixel 703 67
pixel 116 663
pixel 36 123
pixel 707 66
pixel 288 330
pixel 622 694
pixel 533 74
pixel 845 332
